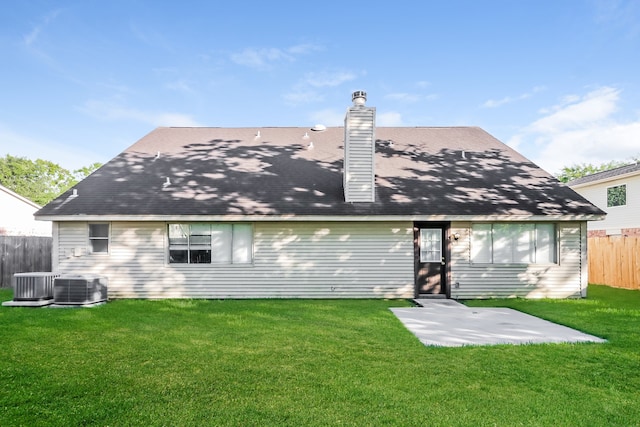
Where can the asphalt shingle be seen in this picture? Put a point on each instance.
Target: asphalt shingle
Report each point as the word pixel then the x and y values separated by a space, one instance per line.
pixel 296 171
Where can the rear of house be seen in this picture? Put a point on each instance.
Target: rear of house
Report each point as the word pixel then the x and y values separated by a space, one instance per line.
pixel 354 212
pixel 338 259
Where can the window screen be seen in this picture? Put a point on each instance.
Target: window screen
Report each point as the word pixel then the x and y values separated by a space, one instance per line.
pixel 99 238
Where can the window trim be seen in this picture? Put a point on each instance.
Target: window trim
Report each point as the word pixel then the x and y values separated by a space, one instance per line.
pixel 625 195
pixel 212 260
pixel 556 245
pixel 91 239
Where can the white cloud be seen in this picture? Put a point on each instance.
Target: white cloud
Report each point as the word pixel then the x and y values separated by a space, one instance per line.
pixel 264 58
pixel 618 16
pixel 30 38
pixel 328 117
pixel 151 37
pixel 403 97
pixel 579 112
pixel 170 119
pixel 581 129
pixel 108 111
pixel 494 103
pixel 259 58
pixel 332 117
pixel 328 79
pixel 302 49
pixel 390 118
pixel 180 86
pixel 300 96
pixel 22 145
pixel 34 34
pixel 304 91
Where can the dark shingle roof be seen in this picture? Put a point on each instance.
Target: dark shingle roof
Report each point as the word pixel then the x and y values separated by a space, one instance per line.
pixel 604 175
pixel 226 171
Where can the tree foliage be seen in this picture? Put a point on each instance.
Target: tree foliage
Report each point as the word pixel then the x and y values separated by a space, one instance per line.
pixel 39 180
pixel 569 173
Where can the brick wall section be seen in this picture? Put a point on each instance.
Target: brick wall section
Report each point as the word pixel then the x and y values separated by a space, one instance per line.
pixel 623 232
pixel 631 231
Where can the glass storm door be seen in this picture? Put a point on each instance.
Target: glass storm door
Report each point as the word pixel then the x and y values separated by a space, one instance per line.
pixel 430 260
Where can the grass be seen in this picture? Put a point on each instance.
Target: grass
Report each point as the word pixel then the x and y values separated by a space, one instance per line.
pixel 306 362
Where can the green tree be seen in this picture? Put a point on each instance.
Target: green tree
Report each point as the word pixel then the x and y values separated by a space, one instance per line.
pixel 569 173
pixel 39 180
pixel 85 171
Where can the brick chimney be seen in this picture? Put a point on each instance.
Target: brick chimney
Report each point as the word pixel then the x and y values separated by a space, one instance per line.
pixel 359 150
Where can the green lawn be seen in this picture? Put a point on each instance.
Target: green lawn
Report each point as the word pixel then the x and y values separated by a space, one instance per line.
pixel 306 362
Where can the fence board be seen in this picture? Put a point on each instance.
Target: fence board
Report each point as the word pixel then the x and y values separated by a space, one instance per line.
pixel 615 261
pixel 23 254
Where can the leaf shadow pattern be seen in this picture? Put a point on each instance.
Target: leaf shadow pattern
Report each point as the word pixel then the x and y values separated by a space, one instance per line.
pixel 225 172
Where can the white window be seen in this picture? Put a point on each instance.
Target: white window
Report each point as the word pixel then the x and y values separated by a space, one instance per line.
pixel 617 196
pixel 210 243
pixel 430 245
pixel 513 243
pixel 99 238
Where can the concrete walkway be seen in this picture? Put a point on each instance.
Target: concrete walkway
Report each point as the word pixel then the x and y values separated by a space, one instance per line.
pixel 447 323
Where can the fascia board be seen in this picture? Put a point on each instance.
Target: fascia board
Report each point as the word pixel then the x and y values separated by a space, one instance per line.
pixel 318 218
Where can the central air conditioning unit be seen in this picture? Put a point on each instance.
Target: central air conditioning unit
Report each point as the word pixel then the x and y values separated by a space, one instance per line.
pixel 80 289
pixel 36 286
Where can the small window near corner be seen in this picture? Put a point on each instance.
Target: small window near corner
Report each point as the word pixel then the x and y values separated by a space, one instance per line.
pixel 99 238
pixel 617 196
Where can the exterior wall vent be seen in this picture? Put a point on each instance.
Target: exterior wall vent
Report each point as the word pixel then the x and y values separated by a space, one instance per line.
pixel 359 151
pixel 80 289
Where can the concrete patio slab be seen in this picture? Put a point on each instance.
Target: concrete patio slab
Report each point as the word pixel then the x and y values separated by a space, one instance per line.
pixel 447 323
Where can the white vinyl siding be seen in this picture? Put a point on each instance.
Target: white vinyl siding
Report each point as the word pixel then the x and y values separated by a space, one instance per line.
pixel 242 249
pixel 291 260
pixel 618 217
pixel 565 278
pixel 315 260
pixel 16 216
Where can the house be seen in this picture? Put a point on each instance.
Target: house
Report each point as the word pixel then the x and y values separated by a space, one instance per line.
pixel 617 192
pixel 329 212
pixel 16 216
pixel 614 242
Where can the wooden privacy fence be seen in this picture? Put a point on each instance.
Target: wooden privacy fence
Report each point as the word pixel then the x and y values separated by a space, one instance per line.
pixel 615 261
pixel 23 254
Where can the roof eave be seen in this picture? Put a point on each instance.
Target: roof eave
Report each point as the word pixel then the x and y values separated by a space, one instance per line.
pixel 320 218
pixel 604 180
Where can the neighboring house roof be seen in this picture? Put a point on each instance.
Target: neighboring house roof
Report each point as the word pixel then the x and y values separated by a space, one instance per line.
pixel 633 169
pixel 421 171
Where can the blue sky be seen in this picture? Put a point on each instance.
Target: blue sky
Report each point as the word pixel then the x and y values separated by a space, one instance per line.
pixel 83 80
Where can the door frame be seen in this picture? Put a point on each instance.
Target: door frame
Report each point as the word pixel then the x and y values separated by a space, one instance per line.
pixel 446 251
